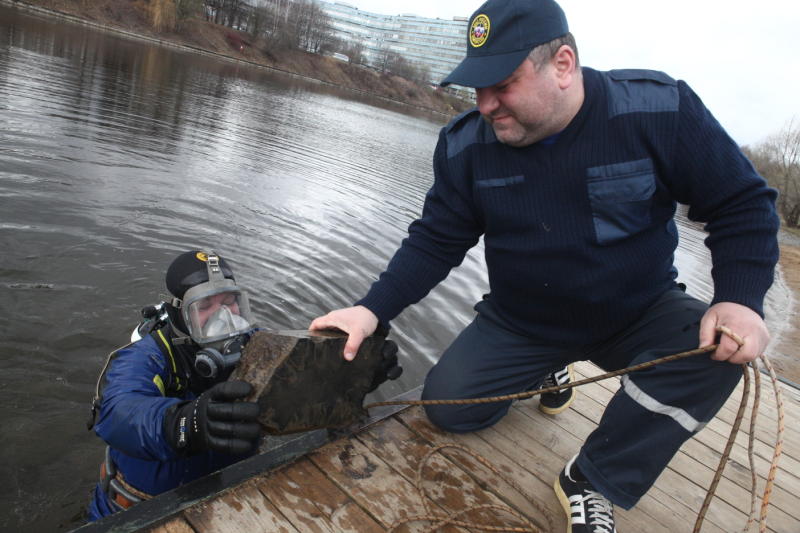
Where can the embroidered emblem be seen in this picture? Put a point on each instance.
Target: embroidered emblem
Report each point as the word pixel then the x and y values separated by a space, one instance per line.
pixel 479 30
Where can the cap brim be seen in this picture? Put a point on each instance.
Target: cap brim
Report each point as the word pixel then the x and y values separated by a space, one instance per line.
pixel 485 71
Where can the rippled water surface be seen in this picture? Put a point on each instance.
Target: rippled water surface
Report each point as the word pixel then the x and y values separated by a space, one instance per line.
pixel 116 155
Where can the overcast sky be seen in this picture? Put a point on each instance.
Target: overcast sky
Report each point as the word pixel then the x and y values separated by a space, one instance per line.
pixel 741 58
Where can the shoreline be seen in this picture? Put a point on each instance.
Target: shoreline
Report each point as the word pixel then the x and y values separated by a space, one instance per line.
pixel 783 353
pixel 175 44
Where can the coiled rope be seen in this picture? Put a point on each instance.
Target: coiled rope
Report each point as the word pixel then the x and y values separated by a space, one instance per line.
pixel 454 518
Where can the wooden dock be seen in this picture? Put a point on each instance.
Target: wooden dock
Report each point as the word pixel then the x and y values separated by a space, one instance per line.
pixel 365 482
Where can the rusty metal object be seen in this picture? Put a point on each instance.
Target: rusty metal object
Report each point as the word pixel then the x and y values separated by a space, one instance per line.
pixel 302 382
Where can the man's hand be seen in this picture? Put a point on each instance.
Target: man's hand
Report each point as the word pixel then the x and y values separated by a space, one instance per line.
pixel 742 321
pixel 358 322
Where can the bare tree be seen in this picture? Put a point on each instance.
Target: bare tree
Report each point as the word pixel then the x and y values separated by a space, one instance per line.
pixel 300 24
pixel 260 18
pixel 226 12
pixel 316 27
pixel 397 64
pixel 186 9
pixel 355 52
pixel 778 160
pixel 307 25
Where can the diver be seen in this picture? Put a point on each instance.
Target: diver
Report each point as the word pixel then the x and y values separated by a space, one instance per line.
pixel 162 403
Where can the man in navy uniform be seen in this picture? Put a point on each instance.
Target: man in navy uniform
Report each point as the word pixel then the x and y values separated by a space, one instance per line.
pixel 572 177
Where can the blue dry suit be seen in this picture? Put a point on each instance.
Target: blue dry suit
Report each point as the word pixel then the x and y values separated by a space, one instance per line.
pixel 141 383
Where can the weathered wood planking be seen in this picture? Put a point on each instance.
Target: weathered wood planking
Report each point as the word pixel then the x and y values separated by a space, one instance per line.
pixel 453 486
pixel 177 525
pixel 730 495
pixel 695 461
pixel 717 432
pixel 307 495
pixel 650 508
pixel 365 482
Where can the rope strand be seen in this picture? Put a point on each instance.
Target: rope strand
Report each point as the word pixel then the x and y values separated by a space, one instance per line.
pixel 452 519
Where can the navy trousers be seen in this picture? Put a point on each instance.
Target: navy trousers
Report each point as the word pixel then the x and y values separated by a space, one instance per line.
pixel 652 414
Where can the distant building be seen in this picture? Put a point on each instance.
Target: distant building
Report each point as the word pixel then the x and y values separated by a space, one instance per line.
pixel 432 43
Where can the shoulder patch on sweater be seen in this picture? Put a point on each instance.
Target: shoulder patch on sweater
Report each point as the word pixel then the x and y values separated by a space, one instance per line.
pixel 460 118
pixel 640 91
pixel 467 129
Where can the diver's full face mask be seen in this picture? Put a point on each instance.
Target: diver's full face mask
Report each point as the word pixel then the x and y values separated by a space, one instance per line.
pixel 217 315
pixel 217 309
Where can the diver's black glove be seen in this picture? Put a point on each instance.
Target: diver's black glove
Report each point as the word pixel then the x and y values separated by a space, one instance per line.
pixel 389 367
pixel 215 421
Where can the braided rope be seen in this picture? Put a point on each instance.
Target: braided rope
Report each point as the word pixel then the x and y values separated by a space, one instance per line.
pixel 773 467
pixel 723 460
pixel 452 519
pixel 530 394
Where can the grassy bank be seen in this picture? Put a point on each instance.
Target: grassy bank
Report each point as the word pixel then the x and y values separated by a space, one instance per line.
pixel 130 16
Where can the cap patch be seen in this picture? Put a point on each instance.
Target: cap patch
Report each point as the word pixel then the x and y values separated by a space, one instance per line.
pixel 202 256
pixel 479 30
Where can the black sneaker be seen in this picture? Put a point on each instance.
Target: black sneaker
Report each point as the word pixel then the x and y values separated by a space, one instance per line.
pixel 587 510
pixel 552 403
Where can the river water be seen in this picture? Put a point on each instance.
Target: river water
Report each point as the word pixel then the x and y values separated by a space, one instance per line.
pixel 115 155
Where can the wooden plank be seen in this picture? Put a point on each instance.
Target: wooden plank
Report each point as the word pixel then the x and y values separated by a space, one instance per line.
pixel 765 437
pixel 766 418
pixel 695 471
pixel 236 511
pixel 289 499
pixel 654 506
pixel 690 468
pixel 716 435
pixel 740 474
pixel 766 429
pixel 761 449
pixel 364 483
pixel 455 484
pixel 521 468
pixel 377 488
pixel 650 510
pixel 312 502
pixel 707 456
pixel 523 459
pixel 176 525
pixel 683 493
pixel 767 411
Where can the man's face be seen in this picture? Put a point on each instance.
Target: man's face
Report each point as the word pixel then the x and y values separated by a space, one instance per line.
pixel 523 108
pixel 208 306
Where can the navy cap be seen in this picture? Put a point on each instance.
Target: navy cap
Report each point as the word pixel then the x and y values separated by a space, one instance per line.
pixel 500 36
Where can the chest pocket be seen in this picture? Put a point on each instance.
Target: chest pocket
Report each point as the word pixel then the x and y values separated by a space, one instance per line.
pixel 502 199
pixel 621 196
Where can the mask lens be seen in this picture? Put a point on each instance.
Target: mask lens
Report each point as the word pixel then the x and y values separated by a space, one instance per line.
pixel 218 316
pixel 223 322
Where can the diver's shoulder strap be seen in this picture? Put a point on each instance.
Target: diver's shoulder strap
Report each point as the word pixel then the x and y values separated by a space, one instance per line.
pixel 177 379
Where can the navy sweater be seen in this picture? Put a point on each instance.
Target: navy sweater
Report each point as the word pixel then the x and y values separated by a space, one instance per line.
pixel 579 233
